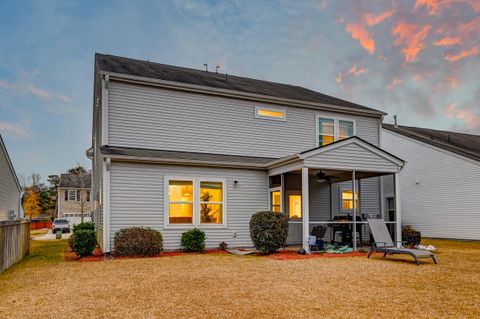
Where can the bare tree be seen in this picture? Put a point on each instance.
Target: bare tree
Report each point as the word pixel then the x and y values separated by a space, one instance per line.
pixel 83 176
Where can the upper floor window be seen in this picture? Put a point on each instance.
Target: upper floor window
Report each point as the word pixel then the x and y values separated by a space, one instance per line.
pixel 270 113
pixel 330 129
pixel 71 195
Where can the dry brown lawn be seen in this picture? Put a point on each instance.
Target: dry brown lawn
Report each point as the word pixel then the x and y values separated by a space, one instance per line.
pixel 225 286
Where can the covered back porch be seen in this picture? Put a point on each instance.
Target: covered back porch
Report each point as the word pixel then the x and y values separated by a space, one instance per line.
pixel 331 191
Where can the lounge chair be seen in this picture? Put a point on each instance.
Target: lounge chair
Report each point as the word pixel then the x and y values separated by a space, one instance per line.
pixel 383 243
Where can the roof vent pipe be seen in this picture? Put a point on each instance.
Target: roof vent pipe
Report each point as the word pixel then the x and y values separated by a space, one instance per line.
pixel 206 67
pixel 395 120
pixel 216 69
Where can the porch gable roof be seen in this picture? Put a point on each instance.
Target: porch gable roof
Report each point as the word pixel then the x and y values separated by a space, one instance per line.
pixel 352 153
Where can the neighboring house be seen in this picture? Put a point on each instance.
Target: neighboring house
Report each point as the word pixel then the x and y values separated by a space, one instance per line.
pixel 440 182
pixel 10 189
pixel 176 148
pixel 73 197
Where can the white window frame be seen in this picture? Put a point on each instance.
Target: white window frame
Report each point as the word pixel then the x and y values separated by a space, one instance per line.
pixel 273 109
pixel 341 209
pixel 270 191
pixel 336 126
pixel 287 195
pixel 74 191
pixel 196 202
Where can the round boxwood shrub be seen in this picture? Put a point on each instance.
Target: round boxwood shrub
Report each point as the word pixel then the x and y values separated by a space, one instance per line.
pixel 84 242
pixel 411 236
pixel 138 241
pixel 84 226
pixel 269 231
pixel 193 240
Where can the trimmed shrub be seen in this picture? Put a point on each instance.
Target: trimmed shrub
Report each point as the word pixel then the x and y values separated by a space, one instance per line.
pixel 411 236
pixel 193 240
pixel 84 242
pixel 84 226
pixel 138 241
pixel 269 231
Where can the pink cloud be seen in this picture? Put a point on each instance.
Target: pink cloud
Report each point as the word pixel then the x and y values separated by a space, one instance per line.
pixel 461 55
pixel 372 19
pixel 339 78
pixel 448 41
pixel 394 84
pixel 433 7
pixel 14 129
pixel 411 38
pixel 466 115
pixel 360 33
pixel 356 71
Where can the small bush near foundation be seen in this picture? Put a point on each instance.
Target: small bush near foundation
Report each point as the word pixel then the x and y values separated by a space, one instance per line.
pixel 269 231
pixel 411 236
pixel 83 242
pixel 84 226
pixel 223 246
pixel 193 240
pixel 138 241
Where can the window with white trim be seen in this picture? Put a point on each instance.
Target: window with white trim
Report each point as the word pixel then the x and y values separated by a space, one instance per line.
pixel 331 129
pixel 72 195
pixel 347 200
pixel 195 201
pixel 270 113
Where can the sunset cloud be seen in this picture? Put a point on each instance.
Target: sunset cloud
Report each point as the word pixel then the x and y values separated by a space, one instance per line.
pixel 372 19
pixel 432 6
pixel 411 38
pixel 356 71
pixel 394 83
pixel 360 33
pixel 466 115
pixel 16 130
pixel 29 88
pixel 448 41
pixel 461 55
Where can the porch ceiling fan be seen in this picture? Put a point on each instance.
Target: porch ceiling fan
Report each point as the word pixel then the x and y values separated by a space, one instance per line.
pixel 322 177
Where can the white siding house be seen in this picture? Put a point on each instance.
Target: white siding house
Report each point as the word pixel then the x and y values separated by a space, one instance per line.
pixel 10 190
pixel 164 136
pixel 440 182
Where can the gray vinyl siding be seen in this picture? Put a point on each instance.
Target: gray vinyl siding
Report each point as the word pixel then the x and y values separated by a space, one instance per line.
pixel 439 190
pixel 137 199
pixel 351 156
pixel 9 192
pixel 155 118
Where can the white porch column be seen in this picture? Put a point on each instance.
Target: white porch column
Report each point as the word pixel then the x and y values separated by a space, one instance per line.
pixel 305 209
pixel 354 219
pixel 398 212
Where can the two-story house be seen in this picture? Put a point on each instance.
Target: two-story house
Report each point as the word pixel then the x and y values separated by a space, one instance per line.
pixel 10 189
pixel 73 197
pixel 169 142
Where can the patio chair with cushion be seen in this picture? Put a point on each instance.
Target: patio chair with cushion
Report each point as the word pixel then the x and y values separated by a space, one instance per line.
pixel 383 243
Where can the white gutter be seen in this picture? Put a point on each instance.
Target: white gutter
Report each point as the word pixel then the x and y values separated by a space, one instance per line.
pixel 239 95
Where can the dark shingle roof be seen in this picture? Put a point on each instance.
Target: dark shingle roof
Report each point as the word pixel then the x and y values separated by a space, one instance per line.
pixel 464 144
pixel 187 157
pixel 74 181
pixel 127 66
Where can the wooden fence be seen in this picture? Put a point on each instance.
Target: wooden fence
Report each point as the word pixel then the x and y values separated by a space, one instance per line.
pixel 14 242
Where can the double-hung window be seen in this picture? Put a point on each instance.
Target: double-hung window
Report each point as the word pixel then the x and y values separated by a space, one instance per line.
pixel 331 129
pixel 195 201
pixel 347 200
pixel 71 195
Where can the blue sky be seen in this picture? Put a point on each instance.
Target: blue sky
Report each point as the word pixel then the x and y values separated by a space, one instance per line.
pixel 418 59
